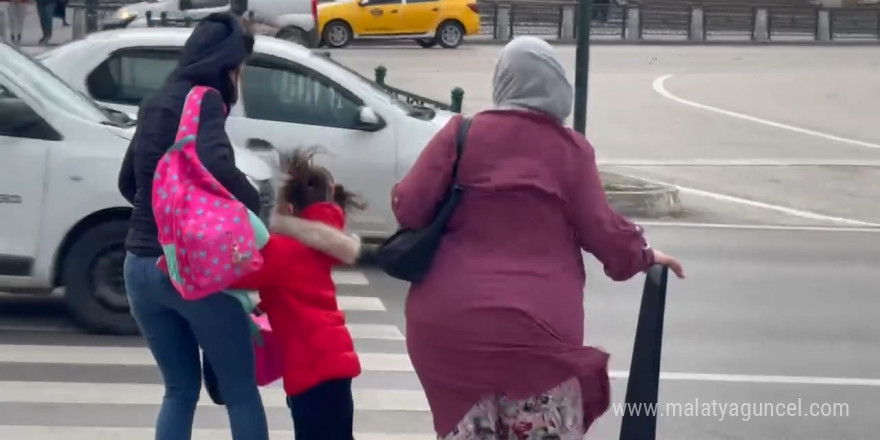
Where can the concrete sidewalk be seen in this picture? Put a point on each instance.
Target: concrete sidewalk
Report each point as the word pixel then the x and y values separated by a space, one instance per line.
pixel 32 33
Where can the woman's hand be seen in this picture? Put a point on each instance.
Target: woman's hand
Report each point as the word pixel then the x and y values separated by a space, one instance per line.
pixel 670 262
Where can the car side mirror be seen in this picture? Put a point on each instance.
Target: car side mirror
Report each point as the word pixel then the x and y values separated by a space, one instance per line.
pixel 369 120
pixel 363 2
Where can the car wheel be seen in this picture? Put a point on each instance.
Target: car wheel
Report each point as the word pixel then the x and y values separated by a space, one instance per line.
pixel 93 281
pixel 294 35
pixel 337 34
pixel 450 34
pixel 427 42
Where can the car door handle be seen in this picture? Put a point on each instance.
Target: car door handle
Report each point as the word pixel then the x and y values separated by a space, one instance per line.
pixel 436 9
pixel 394 11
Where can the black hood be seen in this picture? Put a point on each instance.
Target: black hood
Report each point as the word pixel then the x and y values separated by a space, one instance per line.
pixel 216 46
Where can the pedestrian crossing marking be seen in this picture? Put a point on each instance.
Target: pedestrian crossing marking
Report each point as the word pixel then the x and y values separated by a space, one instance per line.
pixel 115 433
pixel 150 394
pixel 382 394
pixel 375 331
pixel 347 303
pixel 360 303
pixel 139 356
pixel 350 278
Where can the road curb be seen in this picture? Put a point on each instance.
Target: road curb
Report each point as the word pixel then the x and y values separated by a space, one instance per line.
pixel 634 197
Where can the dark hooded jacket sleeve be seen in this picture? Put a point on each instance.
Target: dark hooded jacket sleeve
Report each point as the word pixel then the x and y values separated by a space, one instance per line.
pixel 215 152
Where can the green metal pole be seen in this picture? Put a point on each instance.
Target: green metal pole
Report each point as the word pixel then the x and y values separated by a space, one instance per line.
pixel 582 65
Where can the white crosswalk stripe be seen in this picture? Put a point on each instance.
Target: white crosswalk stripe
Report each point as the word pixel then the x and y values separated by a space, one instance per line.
pixel 97 392
pixel 108 433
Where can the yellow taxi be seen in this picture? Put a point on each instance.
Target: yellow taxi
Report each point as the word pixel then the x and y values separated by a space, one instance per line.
pixel 428 22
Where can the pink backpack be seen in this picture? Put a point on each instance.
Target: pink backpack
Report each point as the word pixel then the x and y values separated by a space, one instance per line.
pixel 209 239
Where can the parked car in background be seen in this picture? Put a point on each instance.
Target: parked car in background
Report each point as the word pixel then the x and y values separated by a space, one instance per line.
pixel 290 97
pixel 292 20
pixel 428 22
pixel 62 220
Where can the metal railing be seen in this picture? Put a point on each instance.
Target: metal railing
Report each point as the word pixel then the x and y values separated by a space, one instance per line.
pixel 695 22
pixel 457 94
pixel 666 21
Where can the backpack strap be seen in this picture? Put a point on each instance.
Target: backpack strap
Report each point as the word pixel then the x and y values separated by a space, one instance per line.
pixel 188 127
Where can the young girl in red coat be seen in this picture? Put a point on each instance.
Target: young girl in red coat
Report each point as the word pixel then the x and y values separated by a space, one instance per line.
pixel 299 297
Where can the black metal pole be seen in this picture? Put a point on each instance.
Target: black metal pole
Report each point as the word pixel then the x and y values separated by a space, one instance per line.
pixel 582 65
pixel 91 16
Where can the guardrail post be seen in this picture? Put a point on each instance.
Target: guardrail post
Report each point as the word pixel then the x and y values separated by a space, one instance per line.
pixel 823 25
pixel 761 33
pixel 503 25
pixel 697 30
pixel 381 71
pixel 149 17
pixel 633 30
pixel 568 27
pixel 78 23
pixel 163 19
pixel 457 100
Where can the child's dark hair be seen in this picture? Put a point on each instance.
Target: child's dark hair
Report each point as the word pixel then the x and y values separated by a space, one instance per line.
pixel 308 183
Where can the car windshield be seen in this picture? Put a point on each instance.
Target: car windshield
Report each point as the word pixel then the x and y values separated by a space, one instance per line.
pixel 39 80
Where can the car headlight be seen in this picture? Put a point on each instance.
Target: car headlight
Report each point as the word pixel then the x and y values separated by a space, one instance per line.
pixel 125 15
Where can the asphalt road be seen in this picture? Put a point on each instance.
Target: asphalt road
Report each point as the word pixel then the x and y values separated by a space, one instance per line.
pixel 766 316
pixel 769 135
pixel 753 135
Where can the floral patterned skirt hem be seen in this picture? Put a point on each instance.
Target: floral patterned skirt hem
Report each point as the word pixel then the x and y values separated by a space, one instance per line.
pixel 556 414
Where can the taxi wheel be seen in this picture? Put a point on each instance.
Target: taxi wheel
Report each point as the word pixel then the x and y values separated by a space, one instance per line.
pixel 427 42
pixel 337 34
pixel 450 34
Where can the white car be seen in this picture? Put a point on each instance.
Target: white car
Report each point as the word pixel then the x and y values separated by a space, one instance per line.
pixel 62 219
pixel 290 97
pixel 293 20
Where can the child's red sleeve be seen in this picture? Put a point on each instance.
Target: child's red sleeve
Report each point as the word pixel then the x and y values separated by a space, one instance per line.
pixel 259 279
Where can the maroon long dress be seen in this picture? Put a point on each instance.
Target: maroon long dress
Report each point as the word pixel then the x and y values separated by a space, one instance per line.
pixel 502 308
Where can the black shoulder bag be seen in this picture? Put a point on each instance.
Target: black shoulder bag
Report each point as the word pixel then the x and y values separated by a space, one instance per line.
pixel 407 255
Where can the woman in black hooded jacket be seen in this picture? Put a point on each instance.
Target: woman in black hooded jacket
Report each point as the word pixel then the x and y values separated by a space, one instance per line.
pixel 175 328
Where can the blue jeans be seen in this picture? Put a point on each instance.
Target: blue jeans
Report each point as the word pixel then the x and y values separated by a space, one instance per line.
pixel 175 328
pixel 46 12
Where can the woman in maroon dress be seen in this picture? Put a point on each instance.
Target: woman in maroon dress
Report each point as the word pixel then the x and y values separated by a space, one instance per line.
pixel 496 329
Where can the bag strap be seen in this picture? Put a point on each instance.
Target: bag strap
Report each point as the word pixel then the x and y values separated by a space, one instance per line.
pixel 463 129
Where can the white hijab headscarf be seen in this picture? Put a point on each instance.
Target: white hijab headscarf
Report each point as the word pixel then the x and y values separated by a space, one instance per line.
pixel 528 76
